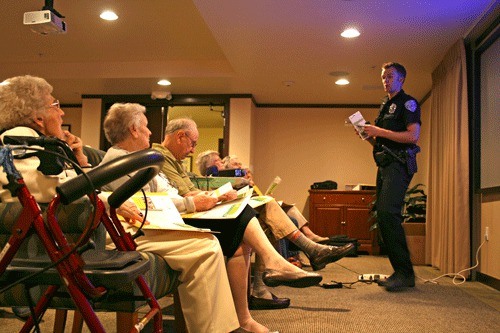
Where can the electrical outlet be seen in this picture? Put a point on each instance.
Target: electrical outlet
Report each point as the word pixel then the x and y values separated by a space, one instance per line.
pixel 487 233
pixel 372 277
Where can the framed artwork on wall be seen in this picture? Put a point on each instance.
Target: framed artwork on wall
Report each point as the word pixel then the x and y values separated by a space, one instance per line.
pixel 66 127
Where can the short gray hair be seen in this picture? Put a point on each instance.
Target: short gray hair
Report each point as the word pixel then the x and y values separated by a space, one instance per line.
pixel 178 124
pixel 21 99
pixel 120 117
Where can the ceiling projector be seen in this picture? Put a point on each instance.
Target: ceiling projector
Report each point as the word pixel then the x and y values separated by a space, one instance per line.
pixel 45 22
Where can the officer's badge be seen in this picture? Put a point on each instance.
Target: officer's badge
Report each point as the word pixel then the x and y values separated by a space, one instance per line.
pixel 411 105
pixel 392 108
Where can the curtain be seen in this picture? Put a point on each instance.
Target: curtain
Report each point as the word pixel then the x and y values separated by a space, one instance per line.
pixel 448 225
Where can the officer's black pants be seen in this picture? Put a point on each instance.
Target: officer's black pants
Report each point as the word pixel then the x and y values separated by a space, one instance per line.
pixel 392 183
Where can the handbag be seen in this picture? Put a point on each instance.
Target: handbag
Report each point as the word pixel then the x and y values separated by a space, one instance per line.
pixel 324 185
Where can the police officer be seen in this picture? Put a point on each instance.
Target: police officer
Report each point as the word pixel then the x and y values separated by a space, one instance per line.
pixel 394 138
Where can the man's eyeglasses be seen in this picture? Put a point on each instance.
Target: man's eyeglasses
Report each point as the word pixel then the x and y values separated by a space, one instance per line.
pixel 192 143
pixel 56 104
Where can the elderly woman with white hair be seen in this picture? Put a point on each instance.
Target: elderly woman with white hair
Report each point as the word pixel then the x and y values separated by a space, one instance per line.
pixel 29 109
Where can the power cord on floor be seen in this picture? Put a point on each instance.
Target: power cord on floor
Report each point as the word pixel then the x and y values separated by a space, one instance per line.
pixel 456 275
pixel 337 285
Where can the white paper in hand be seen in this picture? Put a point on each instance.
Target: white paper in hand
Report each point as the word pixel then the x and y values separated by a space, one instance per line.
pixel 358 122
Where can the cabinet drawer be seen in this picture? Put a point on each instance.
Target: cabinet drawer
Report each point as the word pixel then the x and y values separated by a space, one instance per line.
pixel 362 199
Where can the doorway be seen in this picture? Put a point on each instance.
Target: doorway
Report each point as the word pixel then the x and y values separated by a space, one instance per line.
pixel 210 112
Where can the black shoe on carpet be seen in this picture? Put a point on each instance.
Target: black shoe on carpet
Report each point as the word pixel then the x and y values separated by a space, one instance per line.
pixel 256 303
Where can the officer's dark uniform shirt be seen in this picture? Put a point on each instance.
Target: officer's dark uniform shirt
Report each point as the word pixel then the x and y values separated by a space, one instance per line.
pixel 395 115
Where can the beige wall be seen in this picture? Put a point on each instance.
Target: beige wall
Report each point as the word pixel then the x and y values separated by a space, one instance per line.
pixel 240 120
pixel 91 122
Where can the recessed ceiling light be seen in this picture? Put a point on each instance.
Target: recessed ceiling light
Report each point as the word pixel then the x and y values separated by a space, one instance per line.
pixel 341 82
pixel 108 15
pixel 350 33
pixel 164 82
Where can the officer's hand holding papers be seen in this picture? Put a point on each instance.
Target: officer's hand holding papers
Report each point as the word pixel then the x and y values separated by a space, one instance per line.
pixel 358 121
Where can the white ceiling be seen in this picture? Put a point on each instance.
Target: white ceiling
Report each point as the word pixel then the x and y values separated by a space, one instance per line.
pixel 236 46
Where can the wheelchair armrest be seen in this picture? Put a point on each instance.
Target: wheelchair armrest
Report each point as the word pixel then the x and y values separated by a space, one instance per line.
pixel 149 159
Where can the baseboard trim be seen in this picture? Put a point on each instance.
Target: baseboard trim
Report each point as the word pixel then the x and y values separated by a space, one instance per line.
pixel 488 280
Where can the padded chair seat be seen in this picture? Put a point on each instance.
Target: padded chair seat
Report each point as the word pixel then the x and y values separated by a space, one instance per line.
pixel 112 269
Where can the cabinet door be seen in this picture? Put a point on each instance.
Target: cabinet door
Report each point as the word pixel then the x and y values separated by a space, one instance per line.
pixel 357 222
pixel 327 220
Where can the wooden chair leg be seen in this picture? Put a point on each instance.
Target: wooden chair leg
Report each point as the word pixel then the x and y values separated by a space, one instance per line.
pixel 60 320
pixel 126 320
pixel 77 322
pixel 179 320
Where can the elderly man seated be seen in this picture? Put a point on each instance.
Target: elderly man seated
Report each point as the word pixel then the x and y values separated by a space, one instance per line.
pixel 181 136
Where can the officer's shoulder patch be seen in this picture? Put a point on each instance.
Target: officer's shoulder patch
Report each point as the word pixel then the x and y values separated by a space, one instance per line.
pixel 411 105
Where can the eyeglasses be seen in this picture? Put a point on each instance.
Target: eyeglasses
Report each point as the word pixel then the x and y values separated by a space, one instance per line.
pixel 56 104
pixel 192 142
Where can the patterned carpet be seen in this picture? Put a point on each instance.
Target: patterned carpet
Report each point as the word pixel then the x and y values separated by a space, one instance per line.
pixel 368 308
pixel 443 307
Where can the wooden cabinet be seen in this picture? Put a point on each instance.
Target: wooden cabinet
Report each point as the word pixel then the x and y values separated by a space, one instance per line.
pixel 333 212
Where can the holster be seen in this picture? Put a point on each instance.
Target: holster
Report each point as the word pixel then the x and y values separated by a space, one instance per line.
pixel 411 159
pixel 382 158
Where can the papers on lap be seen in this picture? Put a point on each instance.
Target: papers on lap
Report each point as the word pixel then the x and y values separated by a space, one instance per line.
pixel 222 190
pixel 210 183
pixel 259 200
pixel 227 209
pixel 162 213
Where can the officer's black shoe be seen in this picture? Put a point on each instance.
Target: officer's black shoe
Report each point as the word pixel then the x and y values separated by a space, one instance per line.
pixel 399 282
